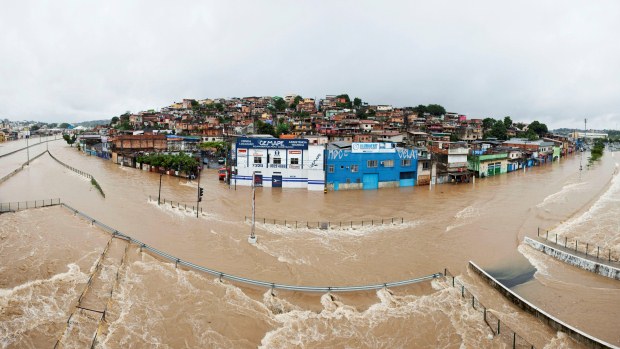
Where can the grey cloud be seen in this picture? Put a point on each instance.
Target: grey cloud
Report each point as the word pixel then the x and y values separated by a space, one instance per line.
pixel 73 60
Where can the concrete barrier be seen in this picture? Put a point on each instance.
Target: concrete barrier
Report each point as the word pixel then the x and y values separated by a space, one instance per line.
pixel 582 337
pixel 580 262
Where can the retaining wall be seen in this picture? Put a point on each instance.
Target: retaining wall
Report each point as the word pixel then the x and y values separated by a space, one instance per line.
pixel 582 337
pixel 583 263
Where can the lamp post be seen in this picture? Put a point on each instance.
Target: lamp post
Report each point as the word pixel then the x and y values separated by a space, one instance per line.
pixel 252 238
pixel 159 195
pixel 27 151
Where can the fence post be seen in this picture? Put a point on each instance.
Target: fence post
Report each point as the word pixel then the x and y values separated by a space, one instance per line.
pixel 514 340
pixel 587 245
pixel 497 326
pixel 565 241
pixel 576 243
pixel 402 220
pixel 598 249
pixel 547 236
pixel 538 233
pixel 462 291
pixel 473 302
pixel 610 254
pixel 556 239
pixel 485 314
pixel 372 222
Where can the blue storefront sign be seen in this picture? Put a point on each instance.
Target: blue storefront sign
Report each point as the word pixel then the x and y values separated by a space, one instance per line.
pixel 272 143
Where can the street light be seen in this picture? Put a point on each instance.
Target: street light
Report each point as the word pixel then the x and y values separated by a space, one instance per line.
pixel 252 238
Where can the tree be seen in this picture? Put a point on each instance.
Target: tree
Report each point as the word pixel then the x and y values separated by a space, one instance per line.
pixel 347 101
pixel 69 139
pixel 454 137
pixel 114 120
pixel 34 127
pixel 296 101
pixel 279 104
pixel 357 102
pixel 499 130
pixel 507 121
pixel 539 128
pixel 282 129
pixel 487 123
pixel 420 109
pixel 435 109
pixel 64 125
pixel 265 128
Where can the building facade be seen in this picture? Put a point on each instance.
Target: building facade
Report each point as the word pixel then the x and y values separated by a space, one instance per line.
pixel 369 166
pixel 278 163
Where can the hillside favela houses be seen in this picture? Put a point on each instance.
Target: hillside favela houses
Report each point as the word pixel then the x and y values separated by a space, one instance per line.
pixel 333 144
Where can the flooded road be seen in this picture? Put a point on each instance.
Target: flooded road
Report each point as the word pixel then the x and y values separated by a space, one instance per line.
pixel 156 304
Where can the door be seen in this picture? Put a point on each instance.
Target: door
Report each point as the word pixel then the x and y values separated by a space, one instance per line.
pixel 276 181
pixel 258 180
pixel 498 168
pixel 370 181
pixel 407 179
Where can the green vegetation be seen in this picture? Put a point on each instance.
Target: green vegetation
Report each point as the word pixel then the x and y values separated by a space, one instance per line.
pixel 539 128
pixel 94 183
pixel 347 101
pixel 433 109
pixel 296 101
pixel 69 139
pixel 597 151
pixel 181 162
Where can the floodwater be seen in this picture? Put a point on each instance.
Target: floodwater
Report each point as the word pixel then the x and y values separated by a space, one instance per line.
pixel 48 256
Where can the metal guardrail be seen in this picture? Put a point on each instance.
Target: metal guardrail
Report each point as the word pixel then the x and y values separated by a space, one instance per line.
pixel 247 281
pixel 23 205
pixel 590 250
pixel 327 224
pixel 30 146
pixel 20 168
pixel 80 172
pixel 499 329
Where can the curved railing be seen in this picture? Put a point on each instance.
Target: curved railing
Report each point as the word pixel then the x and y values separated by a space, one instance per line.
pixel 247 281
pixel 30 146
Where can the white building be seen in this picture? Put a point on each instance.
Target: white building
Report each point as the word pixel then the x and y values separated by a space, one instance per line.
pixel 286 163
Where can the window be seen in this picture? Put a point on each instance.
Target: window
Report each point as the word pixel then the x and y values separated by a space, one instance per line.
pixel 277 160
pixel 354 168
pixel 425 165
pixel 405 163
pixel 388 163
pixel 371 163
pixel 348 180
pixel 330 168
pixel 294 161
pixel 258 160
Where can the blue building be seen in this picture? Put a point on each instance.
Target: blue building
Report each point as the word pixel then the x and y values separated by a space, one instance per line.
pixel 369 166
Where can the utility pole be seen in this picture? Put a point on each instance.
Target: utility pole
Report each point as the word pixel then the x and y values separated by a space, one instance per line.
pixel 252 237
pixel 27 151
pixel 159 195
pixel 200 192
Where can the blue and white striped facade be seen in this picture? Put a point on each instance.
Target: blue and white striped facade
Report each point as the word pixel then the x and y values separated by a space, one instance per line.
pixel 286 163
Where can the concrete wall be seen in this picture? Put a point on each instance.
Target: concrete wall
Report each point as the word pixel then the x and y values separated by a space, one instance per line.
pixel 583 263
pixel 582 337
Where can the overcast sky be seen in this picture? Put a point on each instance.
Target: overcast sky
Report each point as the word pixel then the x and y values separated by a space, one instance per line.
pixel 553 61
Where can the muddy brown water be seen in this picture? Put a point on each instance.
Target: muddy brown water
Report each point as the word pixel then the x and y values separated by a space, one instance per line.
pixel 47 256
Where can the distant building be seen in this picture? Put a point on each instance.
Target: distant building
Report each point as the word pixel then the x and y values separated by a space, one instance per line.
pixel 369 166
pixel 278 163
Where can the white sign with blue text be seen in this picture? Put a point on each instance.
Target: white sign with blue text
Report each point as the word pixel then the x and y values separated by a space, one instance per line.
pixel 373 148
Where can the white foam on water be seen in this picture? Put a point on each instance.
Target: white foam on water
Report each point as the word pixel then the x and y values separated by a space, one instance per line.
pixel 181 211
pixel 560 341
pixel 339 323
pixel 37 303
pixel 562 195
pixel 193 184
pixel 336 231
pixel 466 216
pixel 599 224
pixel 536 258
